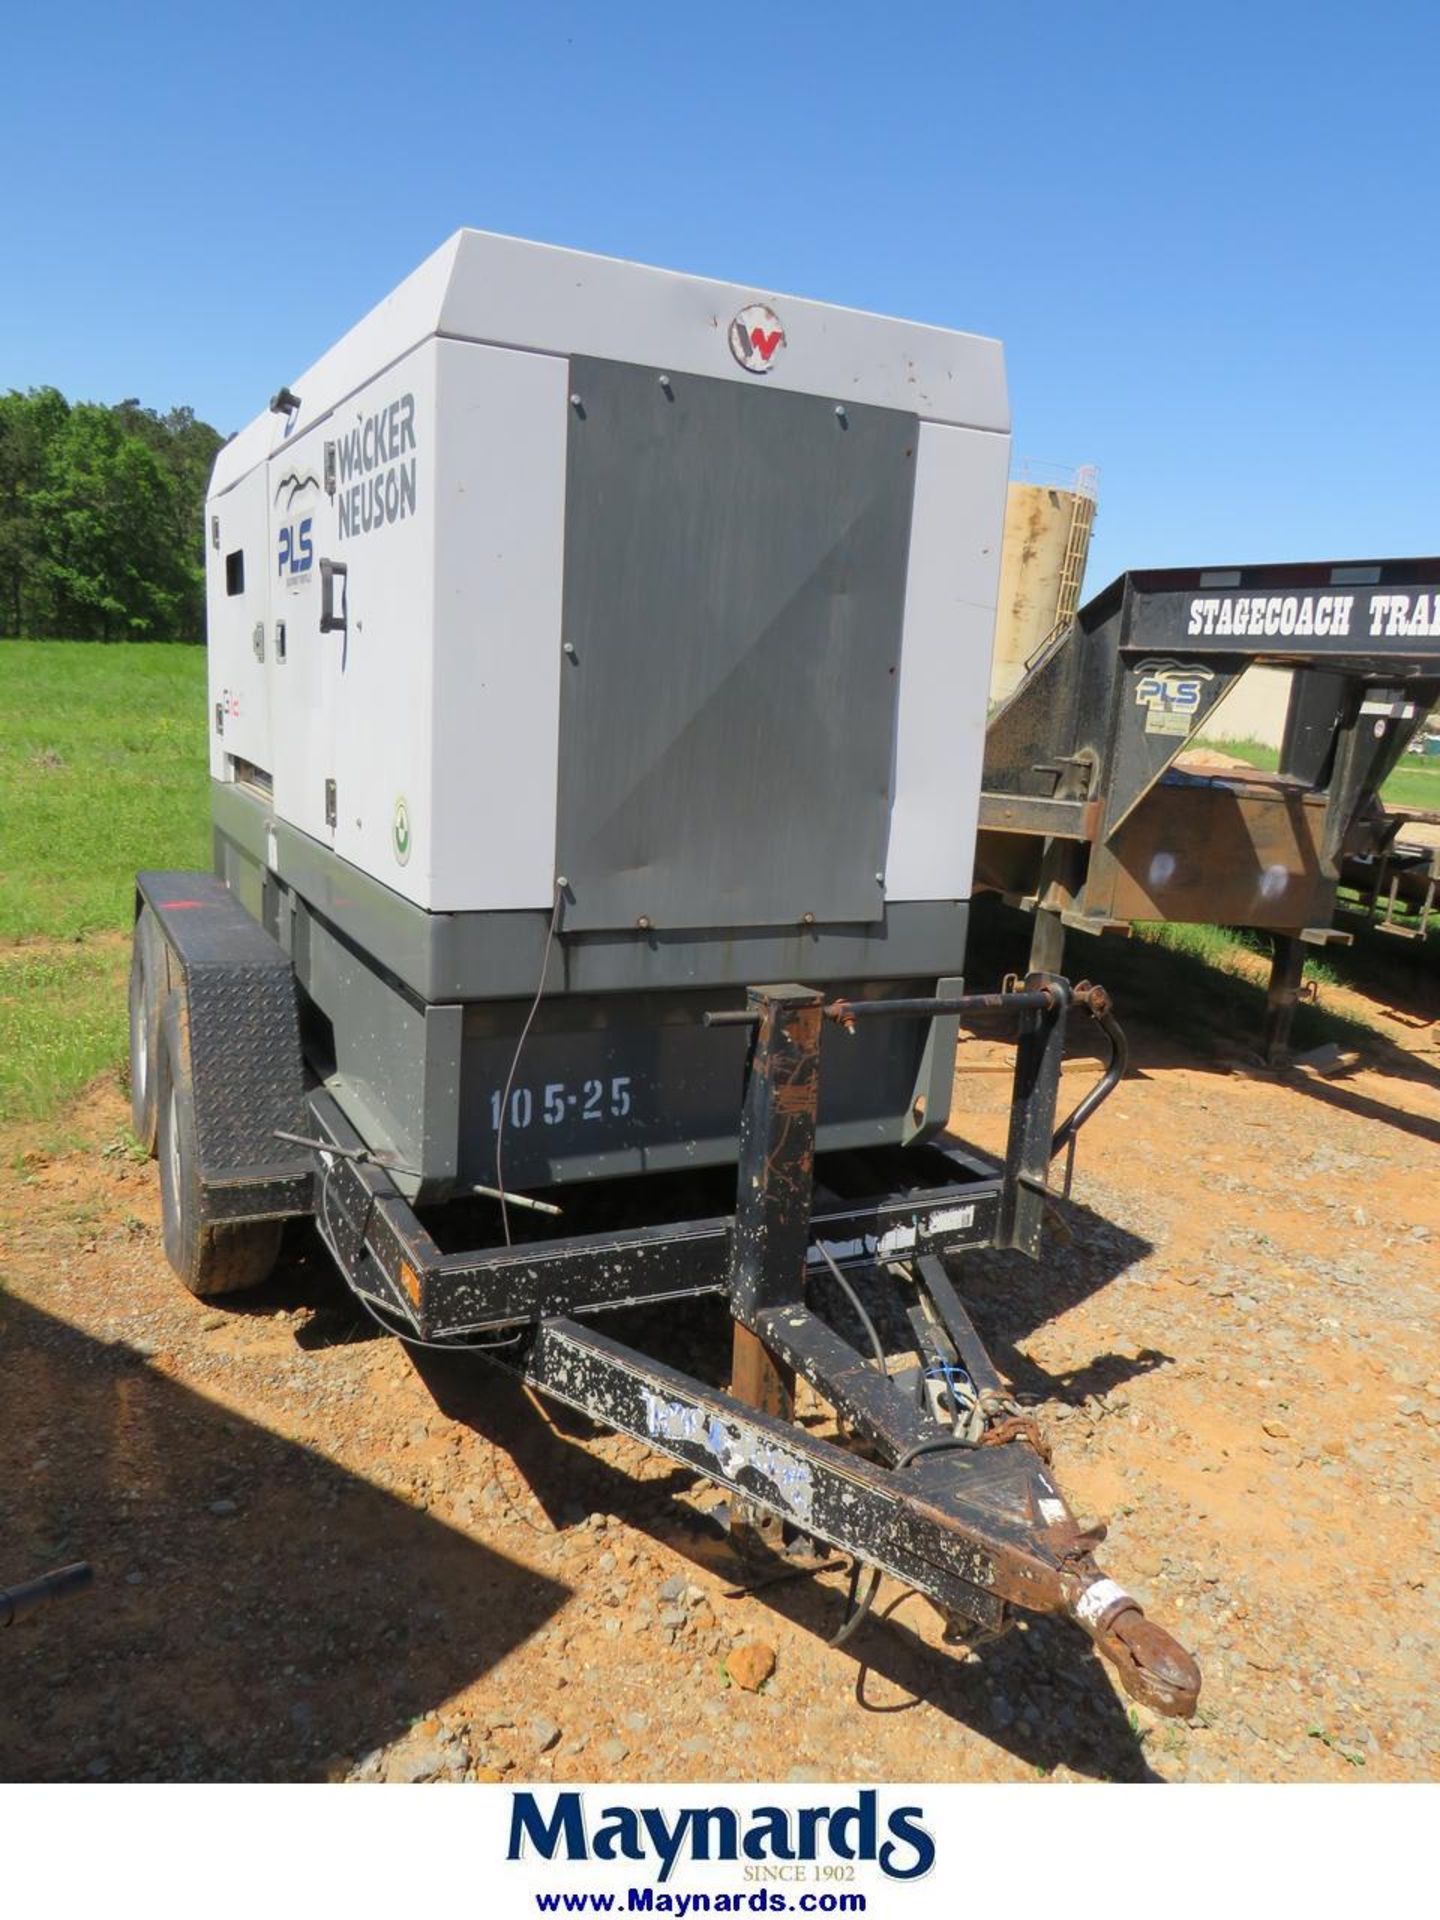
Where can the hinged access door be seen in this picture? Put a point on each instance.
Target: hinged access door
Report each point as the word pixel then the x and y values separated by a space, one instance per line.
pixel 735 563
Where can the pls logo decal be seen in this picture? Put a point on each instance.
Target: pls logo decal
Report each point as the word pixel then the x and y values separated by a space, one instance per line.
pixel 295 499
pixel 1170 694
pixel 756 336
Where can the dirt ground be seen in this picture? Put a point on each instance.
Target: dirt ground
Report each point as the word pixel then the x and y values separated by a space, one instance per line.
pixel 315 1560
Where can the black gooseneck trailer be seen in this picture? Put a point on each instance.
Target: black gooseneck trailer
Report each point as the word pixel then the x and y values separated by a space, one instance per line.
pixel 1087 821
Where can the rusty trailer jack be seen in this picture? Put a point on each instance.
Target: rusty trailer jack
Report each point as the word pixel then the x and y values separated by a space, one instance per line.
pixel 946 1484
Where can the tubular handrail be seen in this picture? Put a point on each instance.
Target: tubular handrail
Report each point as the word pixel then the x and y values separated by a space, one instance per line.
pixel 1064 1137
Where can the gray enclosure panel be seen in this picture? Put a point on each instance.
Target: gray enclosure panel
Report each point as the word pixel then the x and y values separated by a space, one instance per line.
pixel 605 1085
pixel 496 956
pixel 378 1072
pixel 421 1079
pixel 735 562
pixel 630 1084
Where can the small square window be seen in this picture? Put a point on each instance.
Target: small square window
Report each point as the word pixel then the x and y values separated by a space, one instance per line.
pixel 235 571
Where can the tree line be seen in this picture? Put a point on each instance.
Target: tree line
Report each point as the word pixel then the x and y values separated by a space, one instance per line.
pixel 102 513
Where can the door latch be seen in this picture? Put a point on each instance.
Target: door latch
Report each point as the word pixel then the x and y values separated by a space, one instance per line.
pixel 330 620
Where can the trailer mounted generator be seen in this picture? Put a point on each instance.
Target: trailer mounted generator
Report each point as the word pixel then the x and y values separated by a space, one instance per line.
pixel 598 665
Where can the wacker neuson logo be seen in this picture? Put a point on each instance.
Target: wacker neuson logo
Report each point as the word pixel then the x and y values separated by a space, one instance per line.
pixel 851 1831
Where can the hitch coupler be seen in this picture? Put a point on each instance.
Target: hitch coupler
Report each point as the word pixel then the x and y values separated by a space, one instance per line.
pixel 1153 1667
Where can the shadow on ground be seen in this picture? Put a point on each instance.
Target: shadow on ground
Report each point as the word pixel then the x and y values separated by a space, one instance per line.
pixel 314 1616
pixel 1009 1295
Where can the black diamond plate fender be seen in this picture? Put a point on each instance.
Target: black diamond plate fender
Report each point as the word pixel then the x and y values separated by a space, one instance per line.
pixel 245 1057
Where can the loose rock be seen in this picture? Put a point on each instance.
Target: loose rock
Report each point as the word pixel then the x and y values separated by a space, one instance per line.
pixel 750 1665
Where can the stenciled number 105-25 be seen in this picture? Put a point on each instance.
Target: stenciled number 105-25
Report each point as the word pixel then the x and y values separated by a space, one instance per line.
pixel 591 1100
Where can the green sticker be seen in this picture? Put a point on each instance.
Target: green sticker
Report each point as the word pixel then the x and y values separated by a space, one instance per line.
pixel 401 833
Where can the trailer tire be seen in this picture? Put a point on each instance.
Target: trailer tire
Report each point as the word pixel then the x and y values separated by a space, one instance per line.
pixel 149 973
pixel 227 1257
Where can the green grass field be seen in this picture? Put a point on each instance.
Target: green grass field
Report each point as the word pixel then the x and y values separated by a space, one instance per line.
pixel 102 771
pixel 1414 783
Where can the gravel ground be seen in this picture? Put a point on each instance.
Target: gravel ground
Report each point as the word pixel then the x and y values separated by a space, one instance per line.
pixel 316 1561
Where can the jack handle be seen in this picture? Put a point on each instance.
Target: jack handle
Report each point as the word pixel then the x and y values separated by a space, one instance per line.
pixel 1096 1002
pixel 16 1602
pixel 844 1013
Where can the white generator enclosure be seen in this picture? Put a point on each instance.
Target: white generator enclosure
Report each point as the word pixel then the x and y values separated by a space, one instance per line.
pixel 600 663
pixel 565 579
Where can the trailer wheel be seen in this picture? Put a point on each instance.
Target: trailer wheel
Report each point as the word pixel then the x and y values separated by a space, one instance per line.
pixel 148 976
pixel 210 1259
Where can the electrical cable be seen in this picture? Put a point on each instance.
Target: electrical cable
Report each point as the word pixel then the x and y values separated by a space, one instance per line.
pixel 390 1163
pixel 458 1346
pixel 381 1320
pixel 857 1609
pixel 854 1299
pixel 515 1059
pixel 950 1372
pixel 779 1579
pixel 854 1614
pixel 434 1346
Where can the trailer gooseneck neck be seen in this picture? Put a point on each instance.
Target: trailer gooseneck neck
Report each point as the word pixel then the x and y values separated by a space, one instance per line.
pixel 1087 821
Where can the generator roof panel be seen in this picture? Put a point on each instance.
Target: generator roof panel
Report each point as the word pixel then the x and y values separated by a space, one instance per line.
pixel 516 293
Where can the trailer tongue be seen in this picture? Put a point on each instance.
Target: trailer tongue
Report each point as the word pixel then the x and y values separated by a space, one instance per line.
pixel 962 1506
pixel 946 1483
pixel 588 645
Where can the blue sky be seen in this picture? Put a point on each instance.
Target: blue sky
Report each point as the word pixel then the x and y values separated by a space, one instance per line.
pixel 1206 234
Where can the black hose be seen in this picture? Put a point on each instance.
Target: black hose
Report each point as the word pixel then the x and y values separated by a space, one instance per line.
pixel 16 1602
pixel 947 1445
pixel 854 1299
pixel 457 1343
